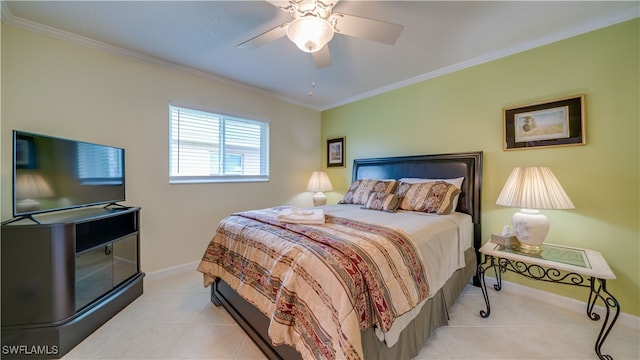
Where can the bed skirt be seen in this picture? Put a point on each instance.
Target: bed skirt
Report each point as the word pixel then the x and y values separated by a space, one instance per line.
pixel 433 315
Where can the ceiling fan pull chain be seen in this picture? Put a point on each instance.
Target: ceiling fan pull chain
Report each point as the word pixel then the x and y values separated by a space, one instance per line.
pixel 312 81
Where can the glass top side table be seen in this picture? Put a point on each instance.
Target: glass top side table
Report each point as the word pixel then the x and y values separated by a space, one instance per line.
pixel 558 264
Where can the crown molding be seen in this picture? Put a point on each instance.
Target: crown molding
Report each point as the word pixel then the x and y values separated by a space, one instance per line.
pixel 502 53
pixel 10 19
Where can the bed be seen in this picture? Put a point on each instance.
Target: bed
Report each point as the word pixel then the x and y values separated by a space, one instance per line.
pixel 429 298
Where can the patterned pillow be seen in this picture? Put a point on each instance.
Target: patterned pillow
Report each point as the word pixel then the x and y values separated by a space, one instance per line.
pixel 434 197
pixel 455 181
pixel 382 201
pixel 359 190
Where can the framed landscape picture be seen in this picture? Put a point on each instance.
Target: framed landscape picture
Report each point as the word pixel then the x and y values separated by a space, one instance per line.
pixel 335 152
pixel 557 122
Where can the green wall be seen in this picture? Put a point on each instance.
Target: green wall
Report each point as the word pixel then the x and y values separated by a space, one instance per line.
pixel 462 111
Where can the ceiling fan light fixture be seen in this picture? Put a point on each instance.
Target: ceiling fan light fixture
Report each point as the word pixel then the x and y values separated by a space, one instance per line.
pixel 310 33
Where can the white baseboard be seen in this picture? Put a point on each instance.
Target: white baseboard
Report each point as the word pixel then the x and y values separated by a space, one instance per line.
pixel 170 271
pixel 564 302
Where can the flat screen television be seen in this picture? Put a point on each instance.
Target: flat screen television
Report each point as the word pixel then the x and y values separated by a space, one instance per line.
pixel 51 173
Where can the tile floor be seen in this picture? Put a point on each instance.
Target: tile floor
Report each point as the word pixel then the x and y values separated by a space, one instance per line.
pixel 174 319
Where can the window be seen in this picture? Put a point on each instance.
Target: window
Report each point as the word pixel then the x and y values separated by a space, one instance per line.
pixel 208 147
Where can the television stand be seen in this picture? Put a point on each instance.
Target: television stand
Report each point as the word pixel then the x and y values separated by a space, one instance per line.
pixel 64 277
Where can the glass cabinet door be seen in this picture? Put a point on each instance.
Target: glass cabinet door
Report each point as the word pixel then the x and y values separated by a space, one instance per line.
pixel 94 274
pixel 125 258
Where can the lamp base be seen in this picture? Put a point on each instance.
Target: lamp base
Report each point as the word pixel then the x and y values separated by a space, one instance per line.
pixel 319 199
pixel 530 249
pixel 530 227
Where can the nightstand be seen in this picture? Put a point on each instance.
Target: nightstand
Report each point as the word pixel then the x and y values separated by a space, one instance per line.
pixel 557 264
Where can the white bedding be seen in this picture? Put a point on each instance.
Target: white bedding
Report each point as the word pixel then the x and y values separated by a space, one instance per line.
pixel 441 240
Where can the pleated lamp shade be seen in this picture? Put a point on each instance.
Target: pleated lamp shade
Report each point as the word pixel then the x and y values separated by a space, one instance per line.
pixel 534 188
pixel 319 181
pixel 530 189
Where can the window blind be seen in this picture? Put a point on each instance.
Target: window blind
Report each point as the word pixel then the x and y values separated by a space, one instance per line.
pixel 207 147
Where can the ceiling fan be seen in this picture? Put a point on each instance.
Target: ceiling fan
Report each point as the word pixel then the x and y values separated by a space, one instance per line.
pixel 314 23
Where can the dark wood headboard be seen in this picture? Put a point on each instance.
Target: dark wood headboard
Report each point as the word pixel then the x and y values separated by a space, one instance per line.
pixel 438 166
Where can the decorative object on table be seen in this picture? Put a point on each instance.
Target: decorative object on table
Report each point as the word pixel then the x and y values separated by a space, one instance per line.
pixel 319 183
pixel 335 152
pixel 506 238
pixel 558 122
pixel 531 189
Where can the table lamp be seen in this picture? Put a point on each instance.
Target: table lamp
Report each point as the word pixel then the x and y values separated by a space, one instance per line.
pixel 319 183
pixel 531 189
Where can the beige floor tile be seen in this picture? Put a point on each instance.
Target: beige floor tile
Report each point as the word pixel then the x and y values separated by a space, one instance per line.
pixel 174 319
pixel 208 342
pixel 434 349
pixel 249 351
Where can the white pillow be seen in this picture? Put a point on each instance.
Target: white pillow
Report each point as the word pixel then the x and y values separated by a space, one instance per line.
pixel 457 182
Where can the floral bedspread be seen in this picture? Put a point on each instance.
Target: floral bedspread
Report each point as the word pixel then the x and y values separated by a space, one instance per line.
pixel 319 284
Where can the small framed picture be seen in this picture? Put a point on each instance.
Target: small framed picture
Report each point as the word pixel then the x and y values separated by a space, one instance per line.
pixel 335 152
pixel 558 122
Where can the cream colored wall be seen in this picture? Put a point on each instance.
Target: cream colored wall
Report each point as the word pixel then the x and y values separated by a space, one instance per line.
pixel 63 89
pixel 462 111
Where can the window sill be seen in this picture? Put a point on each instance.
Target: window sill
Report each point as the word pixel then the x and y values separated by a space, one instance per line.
pixel 216 179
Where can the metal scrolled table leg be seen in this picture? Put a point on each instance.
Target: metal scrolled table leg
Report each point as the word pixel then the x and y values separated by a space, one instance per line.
pixel 483 284
pixel 599 290
pixel 498 268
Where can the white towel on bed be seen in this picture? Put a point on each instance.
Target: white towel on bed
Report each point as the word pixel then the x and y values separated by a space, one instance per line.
pixel 302 216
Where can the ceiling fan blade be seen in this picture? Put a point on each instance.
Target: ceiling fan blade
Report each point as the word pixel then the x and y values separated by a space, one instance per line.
pixel 369 29
pixel 267 36
pixel 282 4
pixel 322 57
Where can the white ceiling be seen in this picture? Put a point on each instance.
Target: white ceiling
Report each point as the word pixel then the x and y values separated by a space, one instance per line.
pixel 202 36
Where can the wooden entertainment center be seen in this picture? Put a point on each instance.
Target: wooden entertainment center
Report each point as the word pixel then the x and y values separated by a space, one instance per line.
pixel 64 277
